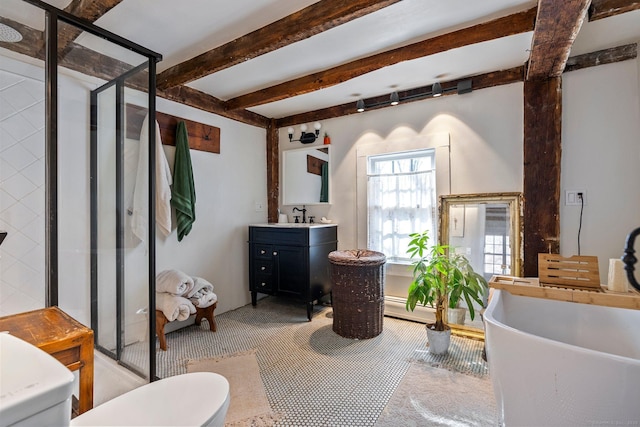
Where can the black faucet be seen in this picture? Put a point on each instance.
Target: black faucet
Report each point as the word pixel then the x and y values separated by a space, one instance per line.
pixel 304 213
pixel 629 258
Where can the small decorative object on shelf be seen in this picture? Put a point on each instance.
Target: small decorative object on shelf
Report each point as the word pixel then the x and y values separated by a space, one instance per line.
pixel 327 139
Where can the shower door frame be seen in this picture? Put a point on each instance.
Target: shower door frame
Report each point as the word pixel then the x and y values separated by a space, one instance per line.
pixel 54 15
pixel 119 83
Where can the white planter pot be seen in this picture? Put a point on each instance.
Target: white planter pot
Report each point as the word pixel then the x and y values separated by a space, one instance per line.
pixel 457 315
pixel 438 340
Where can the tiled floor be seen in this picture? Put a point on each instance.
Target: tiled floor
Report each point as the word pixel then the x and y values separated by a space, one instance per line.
pixel 312 376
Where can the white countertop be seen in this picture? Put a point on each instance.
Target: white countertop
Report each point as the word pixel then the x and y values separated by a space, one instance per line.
pixel 294 225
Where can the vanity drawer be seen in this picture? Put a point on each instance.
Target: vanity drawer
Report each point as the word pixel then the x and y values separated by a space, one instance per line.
pixel 263 268
pixel 262 283
pixel 263 252
pixel 281 236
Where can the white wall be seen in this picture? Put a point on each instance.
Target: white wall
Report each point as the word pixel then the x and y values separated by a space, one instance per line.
pixel 485 131
pixel 601 155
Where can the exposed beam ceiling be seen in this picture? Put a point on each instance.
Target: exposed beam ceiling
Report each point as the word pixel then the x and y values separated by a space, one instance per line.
pixel 90 10
pixel 32 43
pixel 604 8
pixel 312 20
pixel 91 63
pixel 501 27
pixel 557 26
pixel 481 81
pixel 86 61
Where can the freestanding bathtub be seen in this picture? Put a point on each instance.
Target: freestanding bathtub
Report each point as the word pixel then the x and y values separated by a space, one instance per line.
pixel 555 363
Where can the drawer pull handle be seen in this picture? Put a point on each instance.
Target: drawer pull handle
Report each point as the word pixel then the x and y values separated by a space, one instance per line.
pixel 263 268
pixel 262 252
pixel 275 253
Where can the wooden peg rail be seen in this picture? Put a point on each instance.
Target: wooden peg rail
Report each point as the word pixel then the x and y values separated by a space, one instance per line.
pixel 201 137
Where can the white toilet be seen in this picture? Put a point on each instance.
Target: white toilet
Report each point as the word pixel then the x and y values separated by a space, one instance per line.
pixel 35 390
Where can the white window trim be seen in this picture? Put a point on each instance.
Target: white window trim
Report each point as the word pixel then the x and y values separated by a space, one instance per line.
pixel 438 141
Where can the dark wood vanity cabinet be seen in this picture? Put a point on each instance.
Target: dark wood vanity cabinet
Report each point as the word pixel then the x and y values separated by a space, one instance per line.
pixel 291 261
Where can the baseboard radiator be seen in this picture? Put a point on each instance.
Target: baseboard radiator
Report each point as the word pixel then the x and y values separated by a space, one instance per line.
pixel 395 307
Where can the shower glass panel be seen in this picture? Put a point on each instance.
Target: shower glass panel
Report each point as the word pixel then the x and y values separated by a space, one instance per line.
pixel 22 162
pixel 97 79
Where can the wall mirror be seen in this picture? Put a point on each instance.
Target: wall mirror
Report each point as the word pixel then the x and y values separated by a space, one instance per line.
pixel 306 175
pixel 486 228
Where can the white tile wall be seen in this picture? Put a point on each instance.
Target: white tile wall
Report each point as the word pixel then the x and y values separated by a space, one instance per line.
pixel 22 198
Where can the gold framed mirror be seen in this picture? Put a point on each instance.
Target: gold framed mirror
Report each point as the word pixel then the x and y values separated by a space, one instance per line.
pixel 487 229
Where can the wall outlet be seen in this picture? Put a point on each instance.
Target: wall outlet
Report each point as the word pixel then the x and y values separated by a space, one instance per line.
pixel 259 207
pixel 572 197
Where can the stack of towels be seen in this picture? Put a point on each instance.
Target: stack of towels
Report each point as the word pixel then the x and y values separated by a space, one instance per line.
pixel 178 295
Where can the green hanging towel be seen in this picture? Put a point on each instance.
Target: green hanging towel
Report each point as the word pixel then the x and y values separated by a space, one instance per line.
pixel 183 191
pixel 324 189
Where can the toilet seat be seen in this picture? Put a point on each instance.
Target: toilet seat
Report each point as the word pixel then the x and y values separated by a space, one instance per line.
pixel 191 399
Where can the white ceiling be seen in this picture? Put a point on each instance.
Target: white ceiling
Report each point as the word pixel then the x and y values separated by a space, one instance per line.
pixel 182 30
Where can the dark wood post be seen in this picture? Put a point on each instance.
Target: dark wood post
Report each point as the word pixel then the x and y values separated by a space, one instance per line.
pixel 273 171
pixel 542 154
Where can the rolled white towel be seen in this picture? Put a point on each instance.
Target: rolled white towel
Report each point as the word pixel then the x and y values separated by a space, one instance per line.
pixel 199 284
pixel 174 307
pixel 203 298
pixel 174 282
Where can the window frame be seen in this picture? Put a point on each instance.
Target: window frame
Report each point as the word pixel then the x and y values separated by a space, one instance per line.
pixel 439 141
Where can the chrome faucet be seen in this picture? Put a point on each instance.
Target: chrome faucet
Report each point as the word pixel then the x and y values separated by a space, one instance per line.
pixel 304 213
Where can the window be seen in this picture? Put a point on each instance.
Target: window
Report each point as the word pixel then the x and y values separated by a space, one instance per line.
pixel 497 247
pixel 401 194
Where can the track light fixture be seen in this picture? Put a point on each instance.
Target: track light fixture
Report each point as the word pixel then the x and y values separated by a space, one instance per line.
pixel 305 137
pixel 395 98
pixel 436 90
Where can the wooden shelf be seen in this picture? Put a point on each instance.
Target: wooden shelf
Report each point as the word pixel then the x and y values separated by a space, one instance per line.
pixel 530 287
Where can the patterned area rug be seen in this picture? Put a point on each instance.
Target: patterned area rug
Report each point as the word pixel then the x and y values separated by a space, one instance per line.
pixel 435 397
pixel 248 404
pixel 311 375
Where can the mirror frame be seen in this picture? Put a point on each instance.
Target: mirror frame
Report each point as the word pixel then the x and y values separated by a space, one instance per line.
pixel 514 201
pixel 283 168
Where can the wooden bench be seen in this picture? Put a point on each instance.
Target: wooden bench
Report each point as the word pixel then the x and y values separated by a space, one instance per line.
pixel 207 313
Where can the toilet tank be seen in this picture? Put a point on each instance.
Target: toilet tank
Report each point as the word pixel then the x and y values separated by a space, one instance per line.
pixel 35 389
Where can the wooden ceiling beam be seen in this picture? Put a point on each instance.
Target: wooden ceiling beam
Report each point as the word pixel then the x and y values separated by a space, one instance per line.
pixel 311 20
pixel 557 26
pixel 480 81
pixel 605 8
pixel 95 64
pixel 32 43
pixel 205 102
pixel 89 10
pixel 502 27
pixel 601 57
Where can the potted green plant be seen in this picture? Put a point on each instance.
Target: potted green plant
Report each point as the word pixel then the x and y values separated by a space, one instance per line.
pixel 439 278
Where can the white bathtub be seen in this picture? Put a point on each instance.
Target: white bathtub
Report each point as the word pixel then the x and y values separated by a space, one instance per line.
pixel 556 363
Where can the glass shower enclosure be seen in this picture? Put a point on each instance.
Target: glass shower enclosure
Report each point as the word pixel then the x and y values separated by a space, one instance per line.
pixel 95 165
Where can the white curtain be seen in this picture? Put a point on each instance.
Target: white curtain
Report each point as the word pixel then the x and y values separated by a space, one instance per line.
pixel 398 205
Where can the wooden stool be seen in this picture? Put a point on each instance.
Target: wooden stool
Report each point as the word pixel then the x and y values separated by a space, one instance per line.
pixel 207 313
pixel 54 331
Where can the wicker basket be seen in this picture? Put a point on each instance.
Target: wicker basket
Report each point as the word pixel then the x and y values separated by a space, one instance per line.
pixel 357 278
